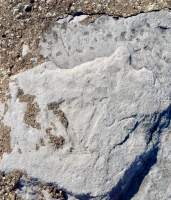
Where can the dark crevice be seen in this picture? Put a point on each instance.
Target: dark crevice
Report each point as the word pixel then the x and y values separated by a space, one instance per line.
pixel 77 196
pixel 125 191
pixel 163 27
pixel 127 137
pixel 160 124
pixel 121 143
pixel 128 117
pixel 89 14
pixel 137 179
pixel 84 197
pixel 78 14
pixel 115 16
pixel 59 18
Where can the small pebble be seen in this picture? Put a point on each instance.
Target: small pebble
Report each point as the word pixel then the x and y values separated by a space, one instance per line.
pixel 48 15
pixel 28 8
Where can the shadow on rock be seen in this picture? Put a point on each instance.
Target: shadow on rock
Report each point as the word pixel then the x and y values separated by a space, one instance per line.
pixel 123 192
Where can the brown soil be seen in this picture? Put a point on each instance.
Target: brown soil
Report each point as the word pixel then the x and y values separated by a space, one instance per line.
pixel 55 108
pixel 42 142
pixel 8 184
pixel 5 145
pixel 53 191
pixel 55 140
pixel 32 109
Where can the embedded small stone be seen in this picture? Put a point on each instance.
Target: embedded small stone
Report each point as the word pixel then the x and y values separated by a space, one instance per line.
pixel 28 8
pixel 48 15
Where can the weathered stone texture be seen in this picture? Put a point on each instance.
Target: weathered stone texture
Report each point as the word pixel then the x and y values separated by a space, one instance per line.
pixel 94 118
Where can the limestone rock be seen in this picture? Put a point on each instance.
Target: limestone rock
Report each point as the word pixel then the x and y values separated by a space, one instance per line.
pixel 114 114
pixel 94 118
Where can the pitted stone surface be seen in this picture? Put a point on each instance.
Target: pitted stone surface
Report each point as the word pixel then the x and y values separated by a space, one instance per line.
pixel 146 35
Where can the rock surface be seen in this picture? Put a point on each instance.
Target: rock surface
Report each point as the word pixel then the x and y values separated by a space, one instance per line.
pixel 94 118
pixel 22 22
